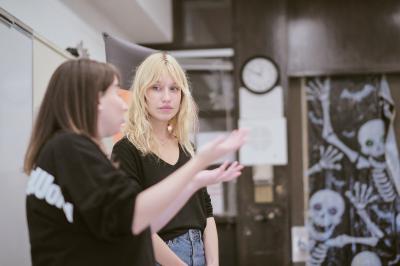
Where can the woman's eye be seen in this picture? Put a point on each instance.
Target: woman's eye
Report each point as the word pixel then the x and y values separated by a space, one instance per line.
pixel 156 88
pixel 174 89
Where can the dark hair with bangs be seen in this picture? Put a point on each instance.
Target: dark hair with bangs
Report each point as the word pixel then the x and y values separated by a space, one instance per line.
pixel 70 103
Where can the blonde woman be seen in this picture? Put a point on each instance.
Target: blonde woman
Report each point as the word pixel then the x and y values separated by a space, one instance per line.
pixel 162 116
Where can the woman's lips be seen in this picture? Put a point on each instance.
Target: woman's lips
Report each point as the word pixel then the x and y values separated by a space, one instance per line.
pixel 165 108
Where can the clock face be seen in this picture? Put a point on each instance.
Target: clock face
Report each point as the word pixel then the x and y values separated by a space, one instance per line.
pixel 259 74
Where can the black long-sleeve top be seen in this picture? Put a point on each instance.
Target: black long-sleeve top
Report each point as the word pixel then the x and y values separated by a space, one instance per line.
pixel 80 208
pixel 148 170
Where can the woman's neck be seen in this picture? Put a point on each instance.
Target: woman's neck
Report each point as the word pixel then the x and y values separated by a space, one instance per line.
pixel 101 145
pixel 160 130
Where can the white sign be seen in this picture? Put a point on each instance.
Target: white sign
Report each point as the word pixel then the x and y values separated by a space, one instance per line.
pixel 268 105
pixel 216 193
pixel 299 244
pixel 266 143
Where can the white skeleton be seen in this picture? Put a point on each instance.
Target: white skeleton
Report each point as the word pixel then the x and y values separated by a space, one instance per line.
pixel 360 199
pixel 325 213
pixel 370 137
pixel 328 159
pixel 395 262
pixel 366 258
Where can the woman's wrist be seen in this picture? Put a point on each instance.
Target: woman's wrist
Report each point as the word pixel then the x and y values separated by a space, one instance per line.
pixel 201 161
pixel 194 185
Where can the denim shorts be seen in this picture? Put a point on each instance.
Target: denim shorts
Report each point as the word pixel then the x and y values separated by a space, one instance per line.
pixel 189 247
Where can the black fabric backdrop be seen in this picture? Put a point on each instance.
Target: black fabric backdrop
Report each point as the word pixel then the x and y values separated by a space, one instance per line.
pixel 353 213
pixel 126 56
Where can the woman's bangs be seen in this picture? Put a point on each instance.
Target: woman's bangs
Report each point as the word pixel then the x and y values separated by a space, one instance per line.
pixel 177 77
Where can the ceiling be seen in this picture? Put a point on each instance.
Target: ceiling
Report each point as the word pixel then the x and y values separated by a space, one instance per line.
pixel 138 21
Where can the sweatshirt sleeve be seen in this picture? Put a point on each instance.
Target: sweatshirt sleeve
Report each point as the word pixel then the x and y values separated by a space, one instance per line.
pixel 102 196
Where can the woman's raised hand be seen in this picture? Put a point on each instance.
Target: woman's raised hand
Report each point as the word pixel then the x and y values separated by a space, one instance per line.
pixel 223 173
pixel 223 145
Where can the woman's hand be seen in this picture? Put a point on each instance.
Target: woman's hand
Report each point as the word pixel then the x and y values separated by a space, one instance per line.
pixel 223 173
pixel 222 146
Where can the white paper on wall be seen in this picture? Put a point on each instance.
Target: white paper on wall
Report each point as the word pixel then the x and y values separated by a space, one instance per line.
pixel 216 193
pixel 268 105
pixel 266 143
pixel 299 244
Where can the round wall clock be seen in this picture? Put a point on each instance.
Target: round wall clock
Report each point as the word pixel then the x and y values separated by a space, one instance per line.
pixel 259 74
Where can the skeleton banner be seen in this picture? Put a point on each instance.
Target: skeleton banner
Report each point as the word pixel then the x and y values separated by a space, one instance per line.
pixel 354 177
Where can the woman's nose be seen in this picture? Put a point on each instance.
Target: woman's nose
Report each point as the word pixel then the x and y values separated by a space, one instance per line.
pixel 166 96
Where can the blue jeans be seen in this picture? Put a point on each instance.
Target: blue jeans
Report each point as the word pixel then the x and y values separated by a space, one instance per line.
pixel 189 247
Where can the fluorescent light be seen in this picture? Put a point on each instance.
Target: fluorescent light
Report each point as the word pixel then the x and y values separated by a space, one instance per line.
pixel 203 53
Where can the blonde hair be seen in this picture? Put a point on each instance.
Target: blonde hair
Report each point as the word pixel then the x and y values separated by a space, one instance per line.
pixel 138 129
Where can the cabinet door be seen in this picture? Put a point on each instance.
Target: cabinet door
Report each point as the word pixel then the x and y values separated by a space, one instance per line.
pixel 262 221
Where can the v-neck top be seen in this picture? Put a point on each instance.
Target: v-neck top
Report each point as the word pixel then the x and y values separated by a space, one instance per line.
pixel 148 170
pixel 167 163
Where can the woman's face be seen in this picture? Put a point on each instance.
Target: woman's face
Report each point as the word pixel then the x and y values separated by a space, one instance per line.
pixel 111 110
pixel 163 99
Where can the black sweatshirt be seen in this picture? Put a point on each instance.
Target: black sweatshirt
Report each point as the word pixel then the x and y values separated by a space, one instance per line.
pixel 148 170
pixel 80 208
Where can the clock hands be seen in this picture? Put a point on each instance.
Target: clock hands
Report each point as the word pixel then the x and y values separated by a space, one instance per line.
pixel 258 73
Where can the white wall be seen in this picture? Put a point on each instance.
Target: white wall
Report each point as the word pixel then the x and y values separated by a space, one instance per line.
pixel 45 61
pixel 57 23
pixel 15 125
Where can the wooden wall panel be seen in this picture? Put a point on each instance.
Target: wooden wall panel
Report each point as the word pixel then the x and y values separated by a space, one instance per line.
pixel 260 29
pixel 343 37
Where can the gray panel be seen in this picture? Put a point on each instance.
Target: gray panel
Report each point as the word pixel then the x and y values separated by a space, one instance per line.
pixel 15 128
pixel 125 56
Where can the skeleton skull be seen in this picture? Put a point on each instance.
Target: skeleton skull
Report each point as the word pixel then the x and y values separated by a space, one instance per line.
pixel 325 213
pixel 366 258
pixel 371 137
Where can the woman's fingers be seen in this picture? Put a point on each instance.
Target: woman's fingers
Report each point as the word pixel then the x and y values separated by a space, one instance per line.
pixel 233 171
pixel 232 176
pixel 224 166
pixel 235 166
pixel 223 145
